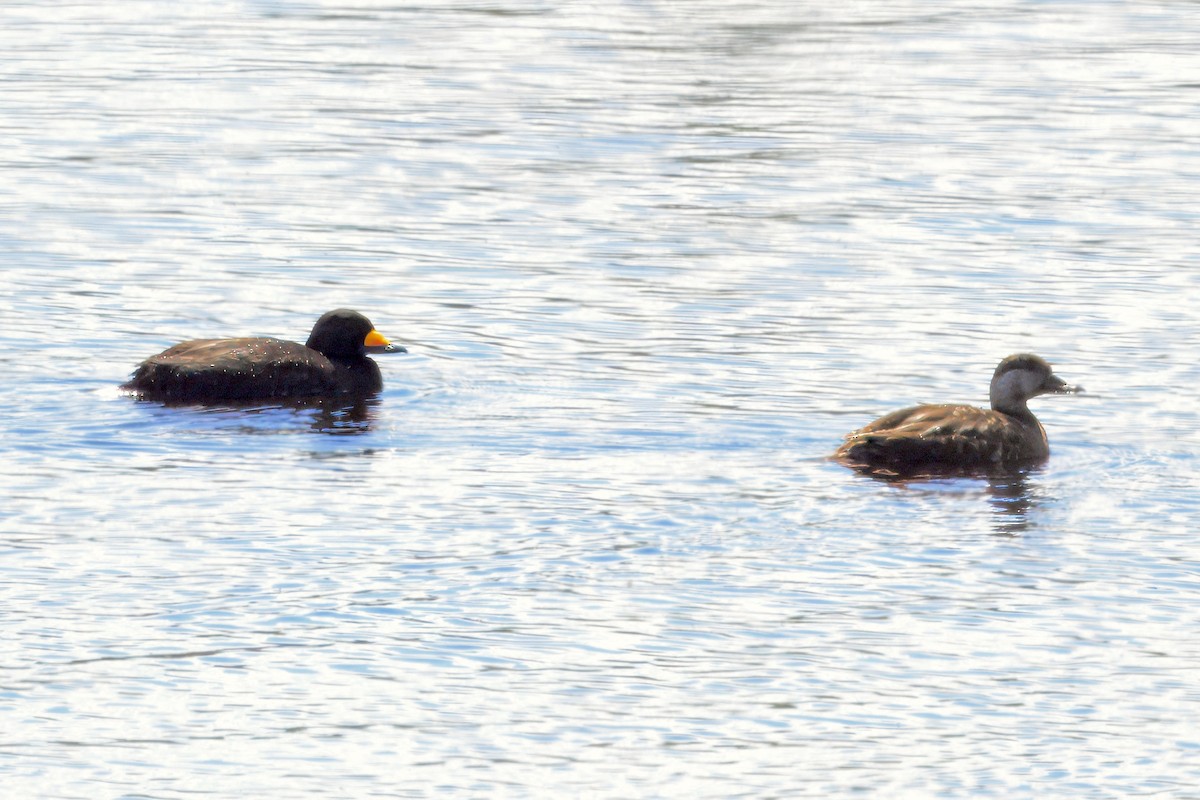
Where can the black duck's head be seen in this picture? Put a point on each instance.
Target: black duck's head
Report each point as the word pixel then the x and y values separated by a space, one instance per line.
pixel 1022 376
pixel 347 335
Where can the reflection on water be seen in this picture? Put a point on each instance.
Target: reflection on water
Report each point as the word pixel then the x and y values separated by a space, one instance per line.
pixel 338 416
pixel 341 419
pixel 1012 500
pixel 656 258
pixel 1009 491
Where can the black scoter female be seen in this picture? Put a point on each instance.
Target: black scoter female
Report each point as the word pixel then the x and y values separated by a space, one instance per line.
pixel 942 439
pixel 333 361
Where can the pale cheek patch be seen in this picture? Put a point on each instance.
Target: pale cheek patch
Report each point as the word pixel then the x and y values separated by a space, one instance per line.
pixel 1018 383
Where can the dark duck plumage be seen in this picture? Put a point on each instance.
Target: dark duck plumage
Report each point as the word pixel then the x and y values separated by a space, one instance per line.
pixel 941 439
pixel 333 361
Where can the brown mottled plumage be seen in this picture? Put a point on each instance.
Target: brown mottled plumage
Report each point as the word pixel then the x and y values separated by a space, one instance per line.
pixel 333 361
pixel 941 439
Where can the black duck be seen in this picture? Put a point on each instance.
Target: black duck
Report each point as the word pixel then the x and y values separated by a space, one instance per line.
pixel 333 361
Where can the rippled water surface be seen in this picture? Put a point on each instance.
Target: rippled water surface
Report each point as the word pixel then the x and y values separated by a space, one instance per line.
pixel 651 261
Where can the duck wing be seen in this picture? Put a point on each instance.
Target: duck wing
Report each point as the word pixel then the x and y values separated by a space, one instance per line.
pixel 937 438
pixel 233 369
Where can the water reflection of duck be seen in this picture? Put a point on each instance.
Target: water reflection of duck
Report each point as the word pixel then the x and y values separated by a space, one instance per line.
pixel 1013 501
pixel 333 361
pixel 940 439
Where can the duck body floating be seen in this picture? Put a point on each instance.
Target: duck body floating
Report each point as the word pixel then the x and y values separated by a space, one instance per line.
pixel 333 361
pixel 949 439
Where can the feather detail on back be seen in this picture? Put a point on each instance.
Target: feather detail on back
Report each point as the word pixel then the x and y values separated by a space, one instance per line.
pixel 239 369
pixel 943 438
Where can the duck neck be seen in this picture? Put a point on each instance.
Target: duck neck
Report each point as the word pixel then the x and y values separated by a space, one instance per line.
pixel 1017 409
pixel 347 360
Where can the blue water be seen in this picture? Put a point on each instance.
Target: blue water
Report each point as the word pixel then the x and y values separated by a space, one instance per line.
pixel 651 261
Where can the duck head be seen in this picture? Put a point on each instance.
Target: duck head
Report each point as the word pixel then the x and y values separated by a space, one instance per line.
pixel 1021 377
pixel 347 335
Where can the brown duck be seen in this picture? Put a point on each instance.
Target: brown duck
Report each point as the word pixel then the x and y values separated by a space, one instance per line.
pixel 940 439
pixel 333 361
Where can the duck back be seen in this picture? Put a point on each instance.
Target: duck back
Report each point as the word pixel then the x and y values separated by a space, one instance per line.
pixel 943 438
pixel 206 370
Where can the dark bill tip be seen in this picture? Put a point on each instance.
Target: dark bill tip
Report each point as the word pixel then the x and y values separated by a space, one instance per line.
pixel 378 349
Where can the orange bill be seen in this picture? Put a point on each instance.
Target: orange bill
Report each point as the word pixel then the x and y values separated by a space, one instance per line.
pixel 376 339
pixel 376 342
